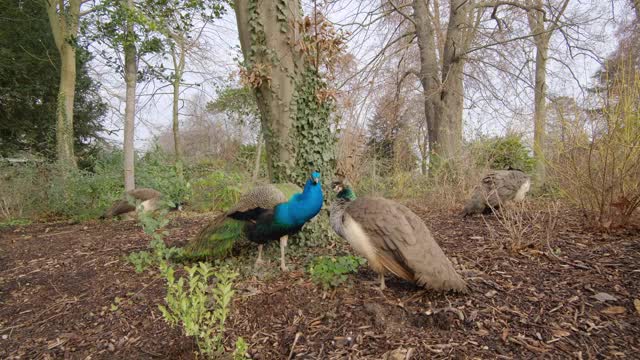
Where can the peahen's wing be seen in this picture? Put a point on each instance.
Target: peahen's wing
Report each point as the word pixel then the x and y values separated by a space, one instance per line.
pixel 119 207
pixel 508 182
pixel 144 194
pixel 404 243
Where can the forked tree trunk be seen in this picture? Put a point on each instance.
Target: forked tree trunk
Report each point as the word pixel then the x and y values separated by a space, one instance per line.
pixel 130 76
pixel 442 82
pixel 64 23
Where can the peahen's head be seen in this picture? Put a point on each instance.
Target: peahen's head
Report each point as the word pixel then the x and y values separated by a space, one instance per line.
pixel 343 189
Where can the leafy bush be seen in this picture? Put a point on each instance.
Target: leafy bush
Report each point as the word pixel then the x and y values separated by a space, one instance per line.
pixel 219 190
pixel 157 170
pixel 80 194
pixel 187 305
pixel 333 271
pixel 503 152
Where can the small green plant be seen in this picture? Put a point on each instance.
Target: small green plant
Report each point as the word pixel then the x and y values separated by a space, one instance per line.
pixel 333 271
pixel 152 225
pixel 188 305
pixel 240 352
pixel 140 260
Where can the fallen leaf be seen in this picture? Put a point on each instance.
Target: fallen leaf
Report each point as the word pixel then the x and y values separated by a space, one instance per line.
pixel 505 334
pixel 614 310
pixel 636 303
pixel 490 293
pixel 603 296
pixel 560 333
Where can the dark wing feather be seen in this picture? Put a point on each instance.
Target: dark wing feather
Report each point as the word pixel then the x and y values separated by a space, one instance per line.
pixel 404 243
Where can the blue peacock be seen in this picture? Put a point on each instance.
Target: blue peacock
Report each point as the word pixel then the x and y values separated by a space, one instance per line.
pixel 262 215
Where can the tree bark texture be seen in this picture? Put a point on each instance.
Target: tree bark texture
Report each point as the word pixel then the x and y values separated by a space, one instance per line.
pixel 541 36
pixel 443 80
pixel 262 39
pixel 130 76
pixel 64 27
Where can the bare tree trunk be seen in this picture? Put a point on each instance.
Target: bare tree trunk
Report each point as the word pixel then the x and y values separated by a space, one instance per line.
pixel 275 96
pixel 178 62
pixel 64 27
pixel 540 109
pixel 130 76
pixel 256 167
pixel 429 74
pixel 442 83
pixel 541 36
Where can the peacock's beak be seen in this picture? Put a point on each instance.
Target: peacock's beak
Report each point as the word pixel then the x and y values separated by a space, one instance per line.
pixel 315 180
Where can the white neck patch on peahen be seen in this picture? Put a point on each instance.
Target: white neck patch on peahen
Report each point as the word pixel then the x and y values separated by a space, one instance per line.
pixel 524 188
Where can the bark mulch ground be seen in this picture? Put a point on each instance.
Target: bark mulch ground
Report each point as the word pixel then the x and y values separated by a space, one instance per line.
pixel 67 292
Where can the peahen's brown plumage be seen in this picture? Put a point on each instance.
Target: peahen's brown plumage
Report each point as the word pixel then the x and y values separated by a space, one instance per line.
pixel 150 199
pixel 496 189
pixel 393 239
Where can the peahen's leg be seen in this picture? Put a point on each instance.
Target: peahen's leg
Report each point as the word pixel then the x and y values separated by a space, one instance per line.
pixel 382 286
pixel 259 260
pixel 283 244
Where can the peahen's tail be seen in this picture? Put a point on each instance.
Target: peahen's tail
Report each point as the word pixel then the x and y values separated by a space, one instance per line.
pixel 216 239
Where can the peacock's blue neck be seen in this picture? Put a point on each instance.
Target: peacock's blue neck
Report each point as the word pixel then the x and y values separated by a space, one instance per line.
pixel 301 207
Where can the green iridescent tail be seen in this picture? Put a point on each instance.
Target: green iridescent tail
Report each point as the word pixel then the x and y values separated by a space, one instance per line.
pixel 215 240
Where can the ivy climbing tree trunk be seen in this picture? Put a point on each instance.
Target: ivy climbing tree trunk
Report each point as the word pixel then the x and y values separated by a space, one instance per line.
pixel 260 36
pixel 64 21
pixel 130 76
pixel 256 167
pixel 295 122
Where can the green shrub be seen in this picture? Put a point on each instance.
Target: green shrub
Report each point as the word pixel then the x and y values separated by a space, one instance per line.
pixel 156 170
pixel 188 305
pixel 333 271
pixel 503 152
pixel 219 190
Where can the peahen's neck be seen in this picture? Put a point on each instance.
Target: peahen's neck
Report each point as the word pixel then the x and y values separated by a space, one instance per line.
pixel 338 206
pixel 301 207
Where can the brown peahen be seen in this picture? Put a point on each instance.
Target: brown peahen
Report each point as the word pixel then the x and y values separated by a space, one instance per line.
pixel 392 239
pixel 496 189
pixel 263 214
pixel 150 199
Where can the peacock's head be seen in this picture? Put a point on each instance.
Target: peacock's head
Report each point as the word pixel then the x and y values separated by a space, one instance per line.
pixel 315 177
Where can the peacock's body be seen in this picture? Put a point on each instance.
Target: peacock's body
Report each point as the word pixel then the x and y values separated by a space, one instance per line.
pixel 393 239
pixel 262 215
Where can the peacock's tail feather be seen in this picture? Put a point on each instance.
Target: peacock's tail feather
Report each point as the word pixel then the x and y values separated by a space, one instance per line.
pixel 216 239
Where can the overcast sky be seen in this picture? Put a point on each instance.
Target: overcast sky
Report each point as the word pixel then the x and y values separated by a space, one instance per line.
pixel 154 114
